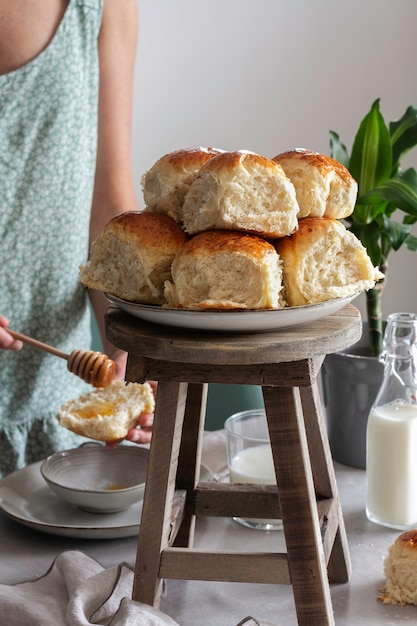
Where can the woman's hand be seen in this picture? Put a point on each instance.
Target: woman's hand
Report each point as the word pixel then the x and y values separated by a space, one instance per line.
pixel 7 342
pixel 143 432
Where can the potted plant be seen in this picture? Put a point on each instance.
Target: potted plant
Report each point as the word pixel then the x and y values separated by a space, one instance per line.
pixel 382 219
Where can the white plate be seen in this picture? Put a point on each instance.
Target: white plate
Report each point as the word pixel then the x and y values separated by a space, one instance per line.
pixel 26 498
pixel 231 321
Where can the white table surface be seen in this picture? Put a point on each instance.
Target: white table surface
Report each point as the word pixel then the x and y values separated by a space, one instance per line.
pixel 26 554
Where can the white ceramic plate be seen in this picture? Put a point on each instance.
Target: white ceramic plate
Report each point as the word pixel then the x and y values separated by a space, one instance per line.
pixel 26 498
pixel 231 321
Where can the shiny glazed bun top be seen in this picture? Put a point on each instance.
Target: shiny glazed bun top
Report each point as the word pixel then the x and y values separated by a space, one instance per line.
pixel 408 538
pixel 324 187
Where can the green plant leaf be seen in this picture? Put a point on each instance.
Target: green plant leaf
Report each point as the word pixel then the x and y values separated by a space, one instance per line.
pixel 411 243
pixel 403 134
pixel 371 159
pixel 396 232
pixel 400 191
pixel 338 149
pixel 369 208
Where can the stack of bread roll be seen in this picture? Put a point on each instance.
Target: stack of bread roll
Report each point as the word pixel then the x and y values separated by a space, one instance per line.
pixel 235 230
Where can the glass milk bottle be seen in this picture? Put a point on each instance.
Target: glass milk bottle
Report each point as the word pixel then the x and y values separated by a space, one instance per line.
pixel 392 430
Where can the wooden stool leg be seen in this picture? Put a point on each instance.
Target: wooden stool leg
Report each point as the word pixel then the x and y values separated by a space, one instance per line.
pixel 159 491
pixel 297 496
pixel 339 565
pixel 189 460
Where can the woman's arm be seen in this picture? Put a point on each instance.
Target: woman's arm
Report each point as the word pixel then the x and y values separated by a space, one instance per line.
pixel 113 190
pixel 113 187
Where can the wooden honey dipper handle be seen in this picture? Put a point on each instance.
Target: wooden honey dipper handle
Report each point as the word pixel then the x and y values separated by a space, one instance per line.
pixel 38 344
pixel 93 367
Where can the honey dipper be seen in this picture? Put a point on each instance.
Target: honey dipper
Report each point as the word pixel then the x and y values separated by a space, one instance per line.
pixel 94 368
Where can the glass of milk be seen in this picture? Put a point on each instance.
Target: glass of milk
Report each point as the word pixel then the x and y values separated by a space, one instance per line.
pixel 249 457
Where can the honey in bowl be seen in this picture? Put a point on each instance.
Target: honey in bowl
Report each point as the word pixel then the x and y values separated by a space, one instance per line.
pixel 115 487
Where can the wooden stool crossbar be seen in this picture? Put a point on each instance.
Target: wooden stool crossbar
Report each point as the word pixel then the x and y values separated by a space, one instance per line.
pixel 285 364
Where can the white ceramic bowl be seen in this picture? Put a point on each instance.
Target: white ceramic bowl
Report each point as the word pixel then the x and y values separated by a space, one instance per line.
pixel 97 478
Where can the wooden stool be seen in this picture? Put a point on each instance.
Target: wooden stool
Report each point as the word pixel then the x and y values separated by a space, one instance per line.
pixel 286 364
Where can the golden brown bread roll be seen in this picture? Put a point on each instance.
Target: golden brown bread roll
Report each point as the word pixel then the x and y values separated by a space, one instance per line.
pixel 241 191
pixel 324 261
pixel 324 187
pixel 225 270
pixel 400 568
pixel 107 414
pixel 132 257
pixel 164 186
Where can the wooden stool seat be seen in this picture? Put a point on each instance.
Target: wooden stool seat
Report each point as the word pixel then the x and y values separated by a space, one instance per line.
pixel 285 364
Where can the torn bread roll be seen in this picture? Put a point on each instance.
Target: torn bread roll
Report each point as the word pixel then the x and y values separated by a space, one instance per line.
pixel 164 186
pixel 132 256
pixel 324 261
pixel 324 187
pixel 241 191
pixel 400 568
pixel 226 270
pixel 107 414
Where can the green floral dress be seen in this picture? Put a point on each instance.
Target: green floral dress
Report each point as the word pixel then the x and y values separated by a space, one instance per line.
pixel 48 136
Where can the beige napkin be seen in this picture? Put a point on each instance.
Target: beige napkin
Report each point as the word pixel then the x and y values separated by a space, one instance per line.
pixel 77 591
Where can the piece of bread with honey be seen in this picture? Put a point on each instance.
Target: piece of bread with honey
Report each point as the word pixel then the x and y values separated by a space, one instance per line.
pixel 107 414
